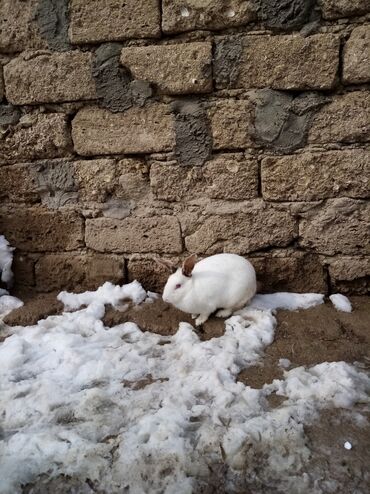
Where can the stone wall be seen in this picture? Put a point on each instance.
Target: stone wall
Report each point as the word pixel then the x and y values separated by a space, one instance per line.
pixel 136 129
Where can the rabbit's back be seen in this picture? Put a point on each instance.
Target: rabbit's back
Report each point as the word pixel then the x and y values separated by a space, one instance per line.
pixel 224 280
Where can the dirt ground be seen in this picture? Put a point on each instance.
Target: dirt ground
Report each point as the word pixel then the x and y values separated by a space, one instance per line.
pixel 305 337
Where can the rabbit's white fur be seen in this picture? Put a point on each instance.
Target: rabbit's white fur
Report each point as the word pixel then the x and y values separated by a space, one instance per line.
pixel 223 281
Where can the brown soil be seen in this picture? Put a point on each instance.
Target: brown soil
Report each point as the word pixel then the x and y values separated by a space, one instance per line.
pixel 311 336
pixel 36 306
pixel 161 318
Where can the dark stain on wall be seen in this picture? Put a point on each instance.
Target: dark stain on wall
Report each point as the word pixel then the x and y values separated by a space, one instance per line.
pixel 56 183
pixel 285 14
pixel 52 17
pixel 227 59
pixel 115 87
pixel 282 121
pixel 9 115
pixel 193 135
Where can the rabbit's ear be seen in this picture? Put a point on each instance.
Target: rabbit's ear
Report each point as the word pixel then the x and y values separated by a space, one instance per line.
pixel 167 264
pixel 188 265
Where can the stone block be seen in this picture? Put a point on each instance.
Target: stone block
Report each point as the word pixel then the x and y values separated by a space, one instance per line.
pixel 228 176
pixel 94 21
pixel 148 272
pixel 356 57
pixel 345 119
pixel 231 123
pixel 77 272
pixel 137 130
pixel 18 31
pixel 2 89
pixel 259 226
pixel 101 179
pixel 35 137
pixel 23 268
pixel 287 270
pixel 279 62
pixel 180 16
pixel 174 69
pixel 18 184
pixel 335 9
pixel 39 230
pixel 46 77
pixel 315 176
pixel 350 274
pixel 96 179
pixel 341 226
pixel 154 234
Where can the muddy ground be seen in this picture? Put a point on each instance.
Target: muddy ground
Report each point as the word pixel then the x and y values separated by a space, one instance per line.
pixel 305 337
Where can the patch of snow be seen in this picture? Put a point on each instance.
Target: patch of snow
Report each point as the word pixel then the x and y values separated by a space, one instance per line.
pixel 341 302
pixel 138 411
pixel 6 259
pixel 106 294
pixel 347 445
pixel 285 300
pixel 285 363
pixel 7 304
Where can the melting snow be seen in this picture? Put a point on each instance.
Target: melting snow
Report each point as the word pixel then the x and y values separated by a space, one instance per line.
pixel 7 303
pixel 125 408
pixel 6 259
pixel 341 302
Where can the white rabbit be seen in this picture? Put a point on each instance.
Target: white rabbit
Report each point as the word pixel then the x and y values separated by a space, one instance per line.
pixel 223 281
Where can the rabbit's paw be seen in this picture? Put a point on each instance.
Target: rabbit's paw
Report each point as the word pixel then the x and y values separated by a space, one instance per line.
pixel 224 313
pixel 201 319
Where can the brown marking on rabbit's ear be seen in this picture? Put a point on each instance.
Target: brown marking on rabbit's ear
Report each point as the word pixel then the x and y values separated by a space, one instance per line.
pixel 167 264
pixel 188 265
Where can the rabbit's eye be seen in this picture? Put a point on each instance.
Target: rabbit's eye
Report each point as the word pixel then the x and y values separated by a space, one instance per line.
pixel 177 286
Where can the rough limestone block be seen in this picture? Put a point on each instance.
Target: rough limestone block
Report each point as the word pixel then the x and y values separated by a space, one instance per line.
pixel 38 230
pixel 278 62
pixel 356 59
pixel 18 31
pixel 257 227
pixel 341 226
pixel 23 268
pixel 148 272
pixel 77 272
pixel 314 176
pixel 231 123
pixel 18 184
pixel 182 15
pixel 100 180
pixel 174 69
pixel 1 84
pixel 46 77
pixel 36 137
pixel 350 274
pixel 155 234
pixel 334 9
pixel 345 119
pixel 137 130
pixel 92 21
pixel 289 270
pixel 229 177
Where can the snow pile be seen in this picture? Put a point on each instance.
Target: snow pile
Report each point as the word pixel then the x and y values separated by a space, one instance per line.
pixel 139 412
pixel 7 303
pixel 6 259
pixel 341 302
